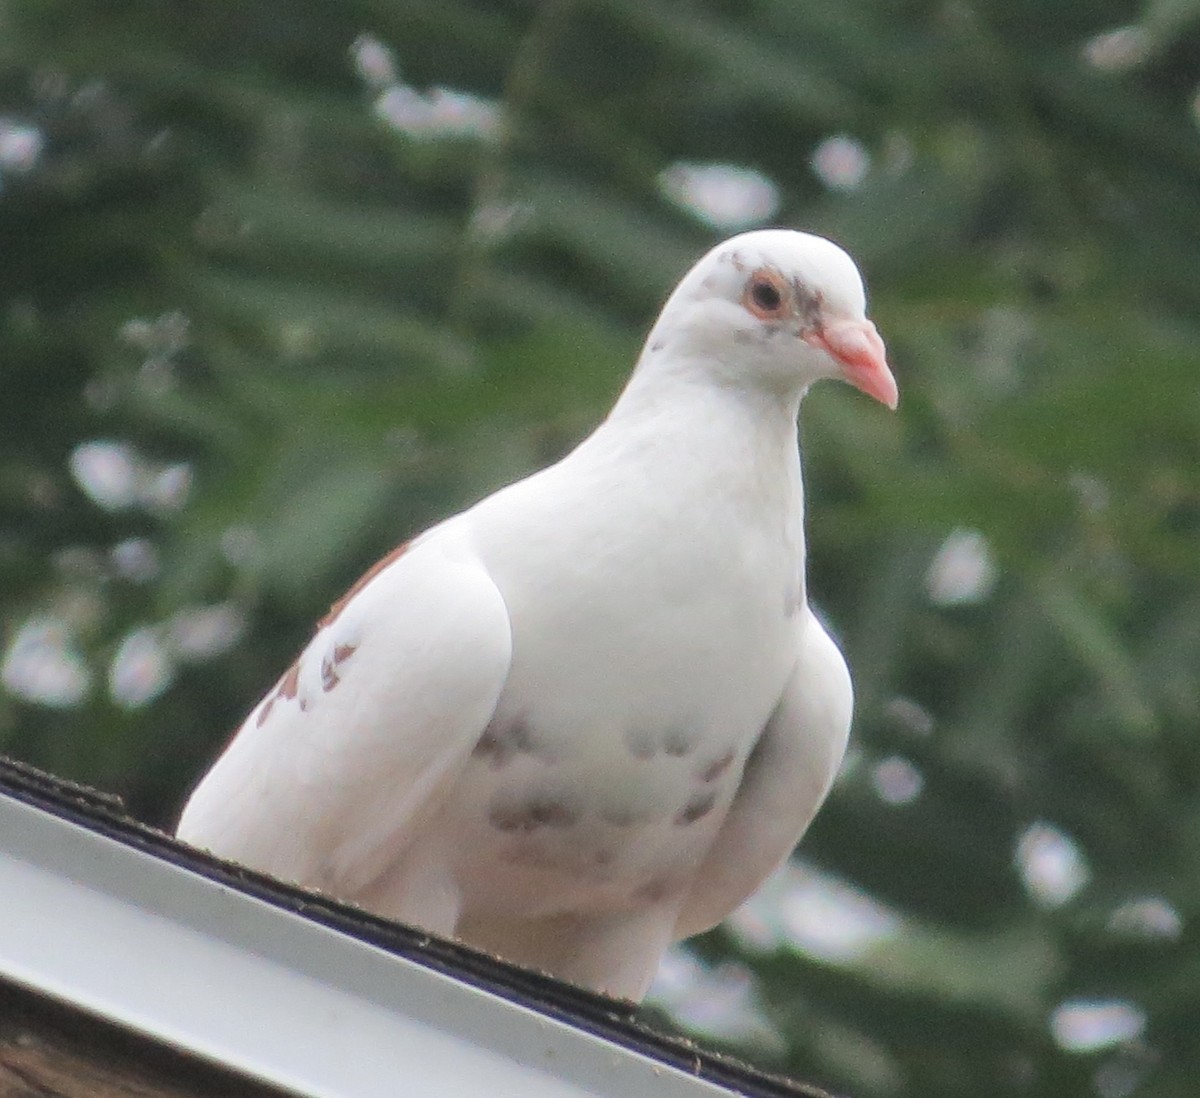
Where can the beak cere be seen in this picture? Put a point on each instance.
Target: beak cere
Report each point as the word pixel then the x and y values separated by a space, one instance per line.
pixel 857 346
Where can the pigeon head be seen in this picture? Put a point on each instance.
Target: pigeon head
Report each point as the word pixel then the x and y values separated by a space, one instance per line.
pixel 776 307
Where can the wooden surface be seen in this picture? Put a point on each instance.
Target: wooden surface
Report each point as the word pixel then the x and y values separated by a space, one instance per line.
pixel 52 1051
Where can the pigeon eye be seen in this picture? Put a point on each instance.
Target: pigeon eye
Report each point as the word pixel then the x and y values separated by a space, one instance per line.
pixel 764 295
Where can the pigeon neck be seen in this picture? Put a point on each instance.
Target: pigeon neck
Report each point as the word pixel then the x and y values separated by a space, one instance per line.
pixel 734 448
pixel 697 428
pixel 685 386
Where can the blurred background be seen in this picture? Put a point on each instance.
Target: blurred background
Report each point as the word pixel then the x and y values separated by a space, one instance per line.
pixel 281 283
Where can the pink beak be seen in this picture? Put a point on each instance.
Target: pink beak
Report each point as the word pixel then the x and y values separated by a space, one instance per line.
pixel 857 346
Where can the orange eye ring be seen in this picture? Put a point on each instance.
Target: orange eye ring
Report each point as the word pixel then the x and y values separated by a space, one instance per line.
pixel 766 295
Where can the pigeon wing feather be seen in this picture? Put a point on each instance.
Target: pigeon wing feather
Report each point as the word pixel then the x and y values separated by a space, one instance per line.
pixel 330 775
pixel 786 778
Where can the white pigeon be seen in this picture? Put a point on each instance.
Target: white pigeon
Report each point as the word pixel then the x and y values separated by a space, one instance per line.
pixel 588 716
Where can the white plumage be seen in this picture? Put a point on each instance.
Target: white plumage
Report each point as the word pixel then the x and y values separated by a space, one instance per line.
pixel 587 716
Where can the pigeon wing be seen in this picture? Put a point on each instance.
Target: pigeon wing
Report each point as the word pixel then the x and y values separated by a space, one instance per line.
pixel 786 778
pixel 331 773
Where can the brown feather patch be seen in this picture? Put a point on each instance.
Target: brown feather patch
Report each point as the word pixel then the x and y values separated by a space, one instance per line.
pixel 717 767
pixel 696 809
pixel 362 582
pixel 329 665
pixel 287 687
